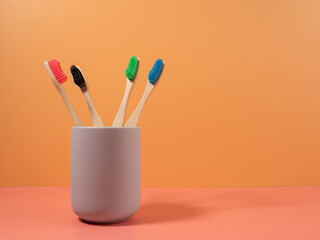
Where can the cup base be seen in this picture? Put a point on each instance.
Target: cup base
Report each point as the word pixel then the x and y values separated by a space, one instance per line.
pixel 104 222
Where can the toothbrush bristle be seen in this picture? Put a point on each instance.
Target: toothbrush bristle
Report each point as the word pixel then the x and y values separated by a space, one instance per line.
pixel 132 69
pixel 77 76
pixel 156 71
pixel 57 71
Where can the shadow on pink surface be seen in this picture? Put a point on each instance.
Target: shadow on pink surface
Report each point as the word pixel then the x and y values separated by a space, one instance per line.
pixel 173 207
pixel 159 212
pixel 169 213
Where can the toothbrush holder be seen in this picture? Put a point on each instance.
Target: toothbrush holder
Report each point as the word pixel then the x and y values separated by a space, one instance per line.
pixel 105 173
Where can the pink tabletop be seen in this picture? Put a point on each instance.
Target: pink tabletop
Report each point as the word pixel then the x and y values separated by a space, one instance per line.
pixel 169 213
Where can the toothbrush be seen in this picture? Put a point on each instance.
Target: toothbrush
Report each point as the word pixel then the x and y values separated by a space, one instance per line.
pixel 131 74
pixel 81 81
pixel 154 77
pixel 58 77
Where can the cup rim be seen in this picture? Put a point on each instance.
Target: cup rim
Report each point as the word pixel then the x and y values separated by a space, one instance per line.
pixel 105 127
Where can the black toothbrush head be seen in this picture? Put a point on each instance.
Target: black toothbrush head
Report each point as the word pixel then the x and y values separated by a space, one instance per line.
pixel 77 76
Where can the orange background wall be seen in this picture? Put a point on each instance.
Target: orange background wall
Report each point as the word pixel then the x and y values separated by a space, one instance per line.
pixel 238 104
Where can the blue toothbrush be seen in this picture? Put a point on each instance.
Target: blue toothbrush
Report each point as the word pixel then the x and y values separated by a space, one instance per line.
pixel 154 77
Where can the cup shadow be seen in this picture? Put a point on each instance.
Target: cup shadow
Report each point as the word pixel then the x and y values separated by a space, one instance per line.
pixel 158 212
pixel 189 206
pixel 163 212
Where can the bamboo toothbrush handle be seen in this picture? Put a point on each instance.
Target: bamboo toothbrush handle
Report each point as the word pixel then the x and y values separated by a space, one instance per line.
pixel 70 107
pixel 119 119
pixel 64 96
pixel 96 119
pixel 134 119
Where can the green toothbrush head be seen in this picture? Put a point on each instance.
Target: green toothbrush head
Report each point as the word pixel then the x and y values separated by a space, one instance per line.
pixel 133 68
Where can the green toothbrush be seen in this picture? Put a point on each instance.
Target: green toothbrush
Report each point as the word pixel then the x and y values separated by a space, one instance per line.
pixel 131 74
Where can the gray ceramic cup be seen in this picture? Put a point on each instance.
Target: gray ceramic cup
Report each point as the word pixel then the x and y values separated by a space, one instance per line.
pixel 105 173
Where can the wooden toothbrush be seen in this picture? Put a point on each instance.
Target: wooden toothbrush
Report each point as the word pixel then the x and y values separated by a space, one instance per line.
pixel 154 77
pixel 81 81
pixel 131 74
pixel 58 77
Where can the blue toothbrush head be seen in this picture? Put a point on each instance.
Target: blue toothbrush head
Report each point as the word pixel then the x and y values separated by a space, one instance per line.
pixel 156 71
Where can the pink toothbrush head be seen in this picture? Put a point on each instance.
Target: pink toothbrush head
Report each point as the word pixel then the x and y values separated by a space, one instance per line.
pixel 57 71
